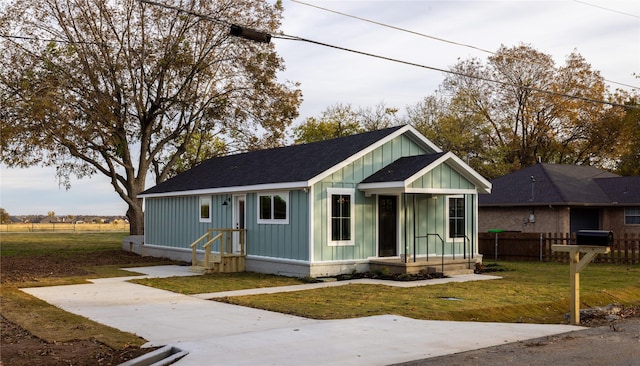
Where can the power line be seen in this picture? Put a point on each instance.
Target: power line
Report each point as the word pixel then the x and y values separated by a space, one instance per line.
pixel 432 37
pixel 607 9
pixel 296 38
pixel 577 97
pixel 393 27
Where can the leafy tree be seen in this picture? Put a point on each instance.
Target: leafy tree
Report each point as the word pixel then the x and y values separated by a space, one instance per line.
pixel 5 218
pixel 511 112
pixel 342 120
pixel 629 162
pixel 127 89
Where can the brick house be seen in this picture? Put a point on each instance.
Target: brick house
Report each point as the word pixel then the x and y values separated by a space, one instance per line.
pixel 562 199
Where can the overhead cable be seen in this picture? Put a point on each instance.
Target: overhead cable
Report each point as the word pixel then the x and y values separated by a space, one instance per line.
pixel 432 37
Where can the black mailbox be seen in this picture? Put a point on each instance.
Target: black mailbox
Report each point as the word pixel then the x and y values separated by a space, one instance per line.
pixel 594 237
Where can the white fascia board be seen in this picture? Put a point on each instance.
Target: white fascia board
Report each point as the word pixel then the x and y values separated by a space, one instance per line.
pixel 483 185
pixel 441 191
pixel 382 185
pixel 238 189
pixel 427 168
pixel 422 139
pixel 458 165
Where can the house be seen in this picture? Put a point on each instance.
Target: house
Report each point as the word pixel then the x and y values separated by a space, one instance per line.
pixel 549 198
pixel 322 208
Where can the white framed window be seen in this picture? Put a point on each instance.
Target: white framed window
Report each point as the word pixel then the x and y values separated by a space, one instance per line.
pixel 456 217
pixel 632 216
pixel 205 209
pixel 341 204
pixel 273 208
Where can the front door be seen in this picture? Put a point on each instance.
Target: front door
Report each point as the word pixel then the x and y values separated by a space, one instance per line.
pixel 238 221
pixel 387 226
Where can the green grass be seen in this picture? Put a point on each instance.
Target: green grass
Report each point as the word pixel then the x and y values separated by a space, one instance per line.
pixel 62 244
pixel 528 292
pixel 218 282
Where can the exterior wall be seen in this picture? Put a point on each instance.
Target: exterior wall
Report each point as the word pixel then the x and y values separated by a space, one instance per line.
pixel 546 219
pixel 289 241
pixel 613 220
pixel 174 222
pixel 365 235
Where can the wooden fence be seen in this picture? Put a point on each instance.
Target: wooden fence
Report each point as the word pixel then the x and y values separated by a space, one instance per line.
pixel 537 247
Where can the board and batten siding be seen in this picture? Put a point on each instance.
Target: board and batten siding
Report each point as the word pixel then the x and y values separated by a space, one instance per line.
pixel 431 218
pixel 287 241
pixel 442 176
pixel 175 221
pixel 365 232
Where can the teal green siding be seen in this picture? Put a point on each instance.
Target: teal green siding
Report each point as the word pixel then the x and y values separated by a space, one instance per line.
pixel 174 222
pixel 442 176
pixel 430 225
pixel 290 241
pixel 365 216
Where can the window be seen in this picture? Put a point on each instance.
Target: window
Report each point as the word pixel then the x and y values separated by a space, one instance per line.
pixel 205 209
pixel 456 217
pixel 273 208
pixel 632 216
pixel 341 224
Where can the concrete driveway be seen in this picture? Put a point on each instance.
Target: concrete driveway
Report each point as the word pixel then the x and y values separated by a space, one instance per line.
pixel 216 333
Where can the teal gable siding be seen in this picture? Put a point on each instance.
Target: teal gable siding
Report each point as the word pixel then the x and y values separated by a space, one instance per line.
pixel 364 235
pixel 442 176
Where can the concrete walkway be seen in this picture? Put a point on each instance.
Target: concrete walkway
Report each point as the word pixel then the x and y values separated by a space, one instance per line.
pixel 221 334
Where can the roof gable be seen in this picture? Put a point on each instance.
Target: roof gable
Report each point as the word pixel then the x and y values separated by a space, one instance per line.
pixel 558 184
pixel 404 172
pixel 291 166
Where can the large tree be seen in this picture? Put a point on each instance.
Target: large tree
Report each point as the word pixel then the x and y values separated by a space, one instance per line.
pixel 343 120
pixel 130 90
pixel 519 108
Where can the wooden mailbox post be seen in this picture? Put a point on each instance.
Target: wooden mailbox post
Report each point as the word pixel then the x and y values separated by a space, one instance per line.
pixel 577 264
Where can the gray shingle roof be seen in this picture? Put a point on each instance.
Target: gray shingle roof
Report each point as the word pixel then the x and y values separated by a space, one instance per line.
pixel 294 163
pixel 562 185
pixel 403 168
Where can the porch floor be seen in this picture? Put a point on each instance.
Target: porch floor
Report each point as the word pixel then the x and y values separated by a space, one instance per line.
pixel 447 267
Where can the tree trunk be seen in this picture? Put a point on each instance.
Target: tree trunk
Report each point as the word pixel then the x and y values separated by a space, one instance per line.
pixel 136 218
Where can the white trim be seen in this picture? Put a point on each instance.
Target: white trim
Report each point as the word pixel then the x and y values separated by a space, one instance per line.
pixel 341 191
pixel 448 218
pixel 236 189
pixel 273 221
pixel 200 201
pixel 398 190
pixel 310 195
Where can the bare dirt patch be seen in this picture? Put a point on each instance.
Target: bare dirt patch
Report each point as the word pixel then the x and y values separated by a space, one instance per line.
pixel 21 348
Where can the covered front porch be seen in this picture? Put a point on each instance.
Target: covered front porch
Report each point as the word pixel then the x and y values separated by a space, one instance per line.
pixel 426 214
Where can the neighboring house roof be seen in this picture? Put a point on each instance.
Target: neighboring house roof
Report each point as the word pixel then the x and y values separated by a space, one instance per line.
pixel 556 184
pixel 284 167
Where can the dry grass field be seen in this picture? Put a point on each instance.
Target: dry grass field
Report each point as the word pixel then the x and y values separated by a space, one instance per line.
pixel 62 227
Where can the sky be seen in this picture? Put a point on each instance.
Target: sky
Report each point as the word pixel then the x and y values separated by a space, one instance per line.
pixel 435 34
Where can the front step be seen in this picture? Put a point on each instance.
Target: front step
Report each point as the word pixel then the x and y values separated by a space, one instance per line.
pixel 452 267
